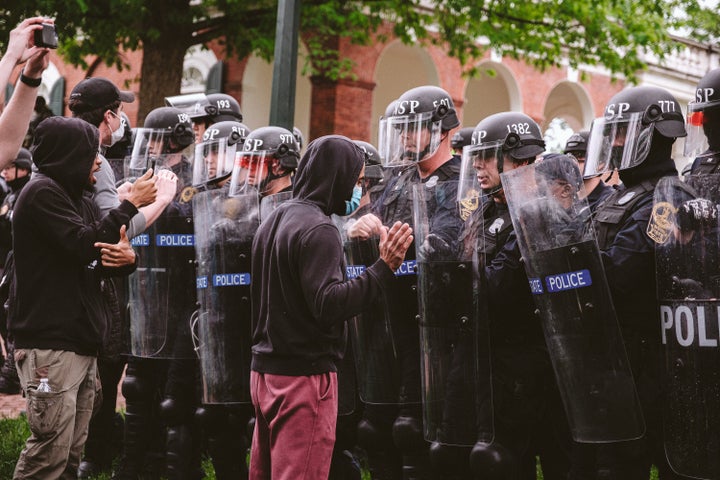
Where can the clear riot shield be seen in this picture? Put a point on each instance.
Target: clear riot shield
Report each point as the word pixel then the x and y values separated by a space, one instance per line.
pixel 162 288
pixel 566 277
pixel 224 230
pixel 269 203
pixel 385 336
pixel 684 225
pixel 455 358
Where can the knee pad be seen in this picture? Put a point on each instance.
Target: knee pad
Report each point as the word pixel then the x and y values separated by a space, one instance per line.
pixel 173 412
pixel 407 433
pixel 492 461
pixel 135 388
pixel 374 437
pixel 449 459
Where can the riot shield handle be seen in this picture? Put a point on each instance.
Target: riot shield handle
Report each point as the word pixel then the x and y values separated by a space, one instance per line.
pixel 194 319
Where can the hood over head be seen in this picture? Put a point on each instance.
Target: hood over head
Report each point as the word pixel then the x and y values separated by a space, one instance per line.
pixel 64 149
pixel 328 172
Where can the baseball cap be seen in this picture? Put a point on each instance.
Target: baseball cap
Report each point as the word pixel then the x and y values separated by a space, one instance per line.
pixel 97 92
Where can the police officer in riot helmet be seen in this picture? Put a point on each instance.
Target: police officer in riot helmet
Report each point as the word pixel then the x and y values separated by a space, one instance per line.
pixel 222 245
pixel 595 188
pixel 635 136
pixel 373 183
pixel 167 133
pixel 702 145
pixel 216 159
pixel 461 139
pixel 161 394
pixel 220 107
pixel 269 157
pixel 527 408
pixel 414 141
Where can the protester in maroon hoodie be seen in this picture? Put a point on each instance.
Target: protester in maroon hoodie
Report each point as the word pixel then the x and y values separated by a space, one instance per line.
pixel 301 302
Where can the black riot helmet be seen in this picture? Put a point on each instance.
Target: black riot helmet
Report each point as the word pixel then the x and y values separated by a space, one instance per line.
pixel 462 138
pixel 373 168
pixel 215 155
pixel 372 157
pixel 299 138
pixel 261 147
pixel 505 135
pixel 623 137
pixel 703 117
pixel 173 125
pixel 414 129
pixel 221 107
pixel 23 159
pixel 577 143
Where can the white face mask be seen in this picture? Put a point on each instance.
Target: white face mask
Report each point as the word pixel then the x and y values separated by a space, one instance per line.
pixel 118 133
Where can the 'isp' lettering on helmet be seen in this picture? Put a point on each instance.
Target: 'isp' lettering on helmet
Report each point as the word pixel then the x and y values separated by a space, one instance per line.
pixel 693 325
pixel 616 110
pixel 354 271
pixel 408 267
pixel 230 279
pixel 175 240
pixel 201 282
pixel 406 107
pixel 535 286
pixel 568 281
pixel 141 240
pixel 703 95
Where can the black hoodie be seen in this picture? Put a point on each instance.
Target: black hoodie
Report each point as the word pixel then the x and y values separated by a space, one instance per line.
pixel 300 297
pixel 56 302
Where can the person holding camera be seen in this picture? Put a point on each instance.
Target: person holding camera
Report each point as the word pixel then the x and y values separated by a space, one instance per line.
pixel 22 48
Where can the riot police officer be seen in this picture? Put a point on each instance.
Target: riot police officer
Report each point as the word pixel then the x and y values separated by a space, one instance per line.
pixel 595 188
pixel 162 373
pixel 702 145
pixel 224 227
pixel 268 159
pixel 635 136
pixel 414 140
pixel 205 110
pixel 529 419
pixel 461 139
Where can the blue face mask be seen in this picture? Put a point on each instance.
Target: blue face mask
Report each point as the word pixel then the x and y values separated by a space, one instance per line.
pixel 354 202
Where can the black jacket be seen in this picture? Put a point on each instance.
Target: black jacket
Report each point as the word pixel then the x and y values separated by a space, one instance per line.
pixel 55 300
pixel 300 297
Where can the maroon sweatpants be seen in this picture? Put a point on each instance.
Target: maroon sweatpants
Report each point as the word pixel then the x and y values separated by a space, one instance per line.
pixel 295 421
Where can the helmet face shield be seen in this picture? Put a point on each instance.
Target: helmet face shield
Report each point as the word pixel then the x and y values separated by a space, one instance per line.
pixel 214 160
pixel 149 150
pixel 703 123
pixel 250 171
pixel 479 170
pixel 617 144
pixel 408 139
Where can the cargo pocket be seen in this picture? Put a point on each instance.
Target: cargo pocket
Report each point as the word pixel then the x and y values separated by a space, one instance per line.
pixel 44 410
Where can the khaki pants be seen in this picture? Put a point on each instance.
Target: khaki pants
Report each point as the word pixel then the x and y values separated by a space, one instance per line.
pixel 58 420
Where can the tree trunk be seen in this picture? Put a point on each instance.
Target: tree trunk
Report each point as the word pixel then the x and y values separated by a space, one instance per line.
pixel 160 74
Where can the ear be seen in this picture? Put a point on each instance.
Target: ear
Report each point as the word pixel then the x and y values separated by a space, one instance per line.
pixel 275 167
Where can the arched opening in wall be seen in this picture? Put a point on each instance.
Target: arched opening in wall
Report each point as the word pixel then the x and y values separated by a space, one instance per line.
pixel 196 66
pixel 257 92
pixel 567 110
pixel 399 68
pixel 494 90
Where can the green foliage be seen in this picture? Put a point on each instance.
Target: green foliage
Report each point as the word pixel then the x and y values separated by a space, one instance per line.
pixel 13 433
